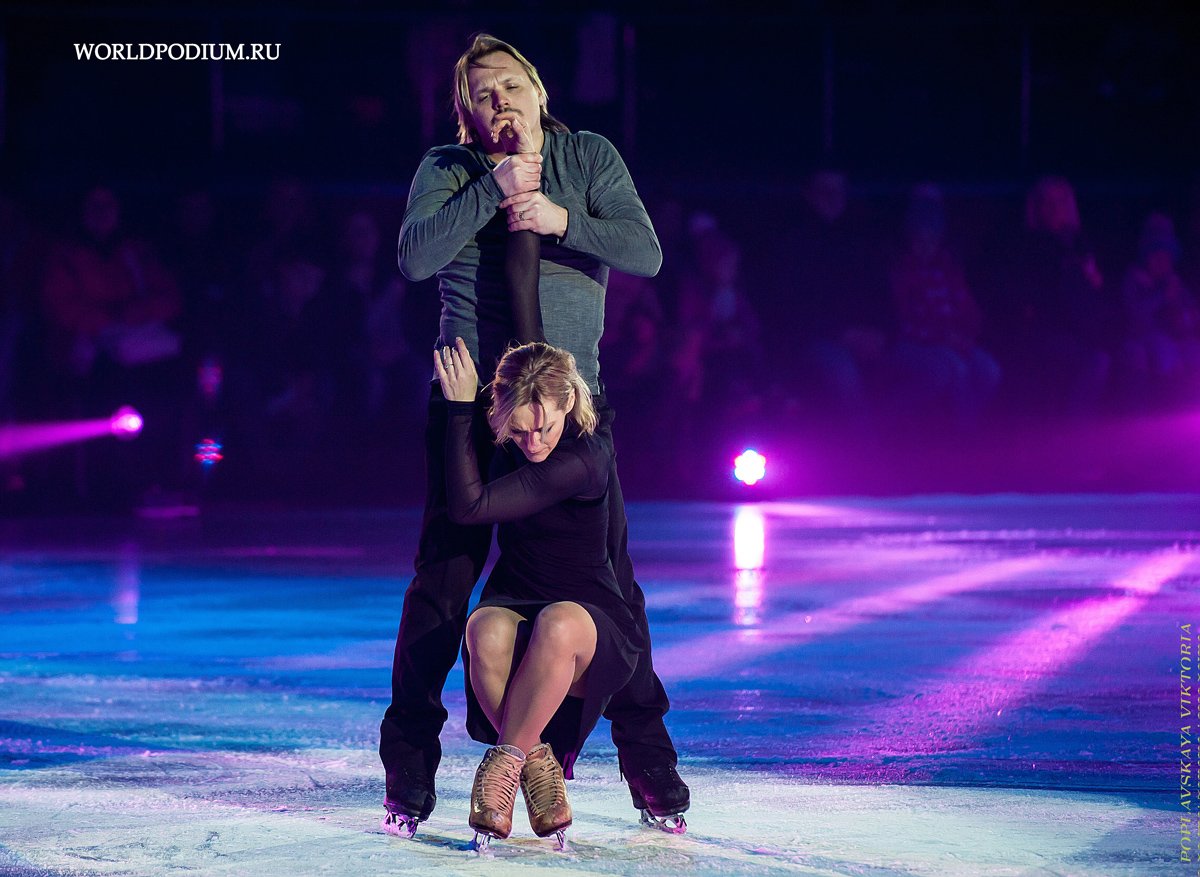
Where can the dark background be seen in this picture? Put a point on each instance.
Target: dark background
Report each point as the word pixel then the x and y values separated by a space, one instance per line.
pixel 719 109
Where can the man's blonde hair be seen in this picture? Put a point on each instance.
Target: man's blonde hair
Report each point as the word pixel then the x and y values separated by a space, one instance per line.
pixel 538 374
pixel 484 44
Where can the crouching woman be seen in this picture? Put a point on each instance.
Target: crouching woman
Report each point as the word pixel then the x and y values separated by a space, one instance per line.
pixel 552 638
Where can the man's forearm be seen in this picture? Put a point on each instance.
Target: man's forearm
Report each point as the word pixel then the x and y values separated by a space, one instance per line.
pixel 439 221
pixel 628 245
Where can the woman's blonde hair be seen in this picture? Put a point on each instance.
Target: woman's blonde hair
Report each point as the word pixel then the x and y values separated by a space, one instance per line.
pixel 538 374
pixel 484 44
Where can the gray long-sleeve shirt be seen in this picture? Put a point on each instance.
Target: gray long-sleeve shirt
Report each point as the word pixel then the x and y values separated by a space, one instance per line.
pixel 452 226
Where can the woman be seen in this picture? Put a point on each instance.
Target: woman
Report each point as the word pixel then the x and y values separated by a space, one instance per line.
pixel 552 638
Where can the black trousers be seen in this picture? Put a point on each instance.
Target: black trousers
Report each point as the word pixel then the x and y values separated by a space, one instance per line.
pixel 450 559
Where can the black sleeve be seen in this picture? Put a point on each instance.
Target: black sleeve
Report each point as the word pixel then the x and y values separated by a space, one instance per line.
pixel 522 270
pixel 569 472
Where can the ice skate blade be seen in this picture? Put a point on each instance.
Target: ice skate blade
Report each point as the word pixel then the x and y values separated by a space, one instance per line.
pixel 481 844
pixel 398 825
pixel 560 841
pixel 675 824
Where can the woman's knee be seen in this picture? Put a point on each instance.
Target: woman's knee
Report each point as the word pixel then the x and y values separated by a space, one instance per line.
pixel 564 627
pixel 491 635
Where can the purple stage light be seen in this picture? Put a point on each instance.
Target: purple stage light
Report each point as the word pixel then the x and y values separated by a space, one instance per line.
pixel 713 654
pixel 750 467
pixel 952 713
pixel 126 423
pixel 208 452
pixel 18 440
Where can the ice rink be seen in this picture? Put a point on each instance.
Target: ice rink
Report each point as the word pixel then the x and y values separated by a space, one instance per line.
pixel 921 686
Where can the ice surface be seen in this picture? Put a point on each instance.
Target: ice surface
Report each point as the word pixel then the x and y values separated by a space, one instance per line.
pixel 927 686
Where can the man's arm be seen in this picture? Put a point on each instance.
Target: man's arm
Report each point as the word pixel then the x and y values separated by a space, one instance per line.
pixel 613 225
pixel 443 213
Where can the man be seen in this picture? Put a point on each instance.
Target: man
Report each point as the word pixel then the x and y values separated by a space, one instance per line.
pixel 516 169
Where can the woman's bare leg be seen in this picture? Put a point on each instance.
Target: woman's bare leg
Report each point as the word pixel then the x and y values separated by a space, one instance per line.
pixel 491 642
pixel 560 651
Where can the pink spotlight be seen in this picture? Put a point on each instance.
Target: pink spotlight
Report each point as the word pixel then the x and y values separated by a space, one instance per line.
pixel 750 467
pixel 126 423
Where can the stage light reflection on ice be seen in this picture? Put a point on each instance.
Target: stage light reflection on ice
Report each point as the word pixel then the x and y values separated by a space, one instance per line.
pixel 749 553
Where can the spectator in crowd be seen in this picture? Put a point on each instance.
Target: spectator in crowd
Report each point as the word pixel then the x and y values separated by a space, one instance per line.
pixel 831 301
pixel 302 336
pixel 939 367
pixel 633 353
pixel 718 359
pixel 22 258
pixel 633 339
pixel 719 353
pixel 385 371
pixel 287 225
pixel 111 308
pixel 1064 318
pixel 1161 348
pixel 198 252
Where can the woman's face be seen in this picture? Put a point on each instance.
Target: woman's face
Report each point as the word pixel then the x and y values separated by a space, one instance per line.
pixel 536 429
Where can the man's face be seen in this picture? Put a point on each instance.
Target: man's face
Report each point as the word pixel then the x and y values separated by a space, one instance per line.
pixel 500 90
pixel 536 430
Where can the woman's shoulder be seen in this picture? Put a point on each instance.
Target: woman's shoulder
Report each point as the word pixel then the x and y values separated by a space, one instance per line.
pixel 594 449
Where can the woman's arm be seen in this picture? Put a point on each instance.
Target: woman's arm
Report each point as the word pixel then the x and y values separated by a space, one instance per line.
pixel 565 474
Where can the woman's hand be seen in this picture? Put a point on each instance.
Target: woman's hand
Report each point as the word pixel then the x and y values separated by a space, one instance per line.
pixel 456 370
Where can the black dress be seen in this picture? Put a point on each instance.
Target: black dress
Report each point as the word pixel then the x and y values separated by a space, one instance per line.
pixel 553 537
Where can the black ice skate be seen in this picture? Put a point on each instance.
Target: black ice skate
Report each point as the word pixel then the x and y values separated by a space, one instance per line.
pixel 410 797
pixel 661 796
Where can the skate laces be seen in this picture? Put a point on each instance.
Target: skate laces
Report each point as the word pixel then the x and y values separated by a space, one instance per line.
pixel 498 778
pixel 544 783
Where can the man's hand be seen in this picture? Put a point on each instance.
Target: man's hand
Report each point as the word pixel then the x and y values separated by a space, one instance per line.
pixel 511 133
pixel 519 173
pixel 535 212
pixel 456 370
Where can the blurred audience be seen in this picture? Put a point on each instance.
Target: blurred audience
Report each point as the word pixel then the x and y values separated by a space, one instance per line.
pixel 303 350
pixel 633 360
pixel 835 311
pixel 718 373
pixel 941 374
pixel 1064 317
pixel 384 371
pixel 1161 346
pixel 111 308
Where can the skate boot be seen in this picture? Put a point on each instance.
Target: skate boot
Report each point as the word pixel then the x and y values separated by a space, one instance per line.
pixel 494 793
pixel 546 794
pixel 410 796
pixel 661 796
